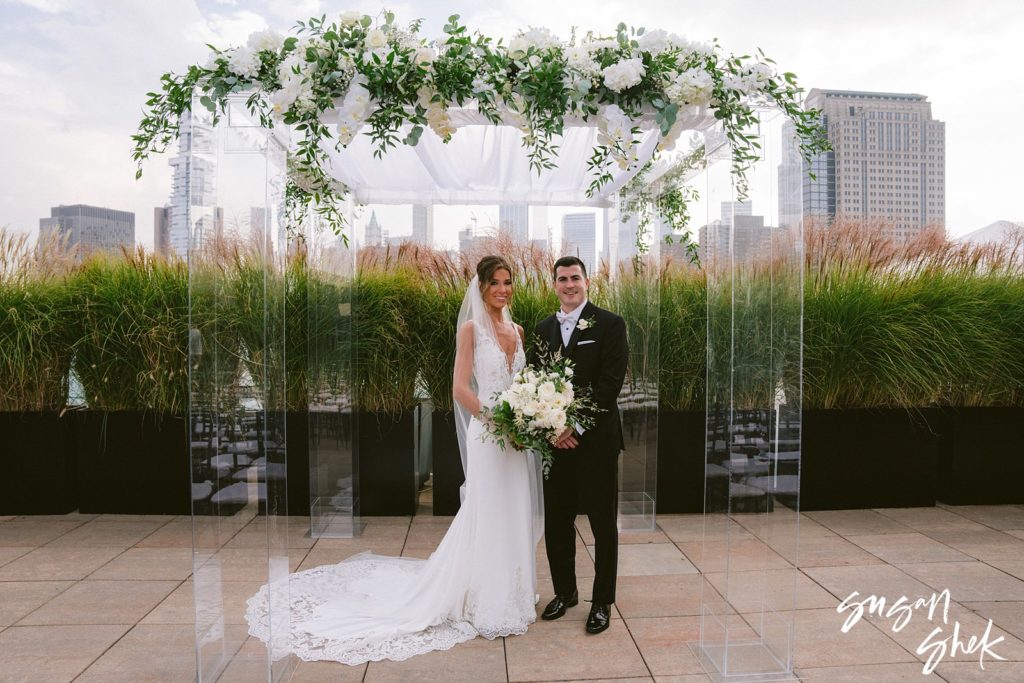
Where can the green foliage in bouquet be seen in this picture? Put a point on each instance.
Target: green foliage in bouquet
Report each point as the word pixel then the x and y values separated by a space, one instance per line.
pixel 538 406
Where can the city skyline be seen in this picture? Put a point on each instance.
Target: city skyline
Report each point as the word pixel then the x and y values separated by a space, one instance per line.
pixel 72 147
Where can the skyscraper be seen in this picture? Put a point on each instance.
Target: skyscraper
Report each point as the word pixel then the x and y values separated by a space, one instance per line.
pixel 579 232
pixel 628 224
pixel 751 238
pixel 888 161
pixel 162 230
pixel 374 234
pixel 194 174
pixel 423 224
pixel 92 228
pixel 513 221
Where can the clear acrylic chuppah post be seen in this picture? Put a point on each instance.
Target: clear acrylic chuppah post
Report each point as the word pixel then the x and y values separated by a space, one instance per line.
pixel 752 253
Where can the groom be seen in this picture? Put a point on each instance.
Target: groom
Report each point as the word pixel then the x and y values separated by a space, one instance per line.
pixel 585 469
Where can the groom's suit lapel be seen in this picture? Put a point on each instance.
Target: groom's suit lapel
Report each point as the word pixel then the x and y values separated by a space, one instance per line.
pixel 576 332
pixel 555 335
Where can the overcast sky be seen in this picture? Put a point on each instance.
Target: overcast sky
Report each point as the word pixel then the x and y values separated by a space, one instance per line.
pixel 74 73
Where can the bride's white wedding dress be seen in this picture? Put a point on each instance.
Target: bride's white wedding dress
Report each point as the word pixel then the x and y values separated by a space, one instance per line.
pixel 481 580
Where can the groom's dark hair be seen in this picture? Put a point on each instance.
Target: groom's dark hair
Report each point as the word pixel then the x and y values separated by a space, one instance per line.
pixel 567 262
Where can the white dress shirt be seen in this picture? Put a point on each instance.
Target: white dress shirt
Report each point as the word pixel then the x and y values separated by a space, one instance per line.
pixel 569 322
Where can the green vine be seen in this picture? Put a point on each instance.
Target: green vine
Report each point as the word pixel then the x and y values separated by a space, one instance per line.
pixel 372 75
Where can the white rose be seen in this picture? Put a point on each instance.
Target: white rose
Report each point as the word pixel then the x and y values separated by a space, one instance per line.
pixel 425 55
pixel 517 47
pixel 546 391
pixel 266 40
pixel 244 61
pixel 350 17
pixel 375 39
pixel 624 74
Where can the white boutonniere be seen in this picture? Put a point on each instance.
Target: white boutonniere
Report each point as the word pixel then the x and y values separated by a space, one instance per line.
pixel 586 324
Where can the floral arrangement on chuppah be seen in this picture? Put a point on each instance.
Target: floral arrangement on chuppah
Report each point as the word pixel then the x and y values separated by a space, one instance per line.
pixel 333 80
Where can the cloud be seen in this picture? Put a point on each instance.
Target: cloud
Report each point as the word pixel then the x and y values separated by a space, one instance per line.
pixel 49 6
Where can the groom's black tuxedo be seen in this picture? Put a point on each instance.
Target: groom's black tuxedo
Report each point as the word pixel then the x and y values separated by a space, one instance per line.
pixel 585 478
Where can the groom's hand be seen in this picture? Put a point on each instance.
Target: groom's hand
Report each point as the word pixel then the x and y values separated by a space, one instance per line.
pixel 566 439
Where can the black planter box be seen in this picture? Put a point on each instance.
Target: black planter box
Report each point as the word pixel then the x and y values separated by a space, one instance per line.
pixel 387 463
pixel 448 474
pixel 297 460
pixel 37 464
pixel 856 459
pixel 133 462
pixel 680 461
pixel 981 455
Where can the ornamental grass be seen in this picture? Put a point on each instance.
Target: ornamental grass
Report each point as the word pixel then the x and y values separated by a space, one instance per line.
pixel 36 316
pixel 130 332
pixel 928 323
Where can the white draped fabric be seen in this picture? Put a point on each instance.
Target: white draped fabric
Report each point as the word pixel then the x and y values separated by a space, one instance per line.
pixel 487 164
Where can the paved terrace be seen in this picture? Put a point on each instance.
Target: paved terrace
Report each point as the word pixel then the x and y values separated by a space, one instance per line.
pixel 109 599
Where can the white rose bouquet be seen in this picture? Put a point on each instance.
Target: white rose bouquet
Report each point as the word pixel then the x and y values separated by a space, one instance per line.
pixel 539 404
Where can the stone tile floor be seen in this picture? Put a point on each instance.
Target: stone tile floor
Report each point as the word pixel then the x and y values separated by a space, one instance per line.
pixel 109 598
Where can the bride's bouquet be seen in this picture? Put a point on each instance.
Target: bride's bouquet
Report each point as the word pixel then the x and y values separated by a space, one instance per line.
pixel 539 404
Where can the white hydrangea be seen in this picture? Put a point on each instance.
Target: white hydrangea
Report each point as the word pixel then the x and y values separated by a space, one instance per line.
pixel 540 38
pixel 760 74
pixel 579 58
pixel 693 86
pixel 655 42
pixel 624 74
pixel 350 18
pixel 265 40
pixel 606 44
pixel 244 61
pixel 691 47
pixel 743 84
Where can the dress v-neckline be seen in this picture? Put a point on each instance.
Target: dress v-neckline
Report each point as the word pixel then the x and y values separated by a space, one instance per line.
pixel 510 360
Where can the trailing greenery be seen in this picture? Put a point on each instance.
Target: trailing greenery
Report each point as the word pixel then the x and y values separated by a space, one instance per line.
pixel 359 72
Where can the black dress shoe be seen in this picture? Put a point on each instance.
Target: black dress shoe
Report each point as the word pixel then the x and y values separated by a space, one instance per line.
pixel 556 608
pixel 600 617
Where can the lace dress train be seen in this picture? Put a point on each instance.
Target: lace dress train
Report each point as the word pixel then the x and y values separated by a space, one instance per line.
pixel 481 580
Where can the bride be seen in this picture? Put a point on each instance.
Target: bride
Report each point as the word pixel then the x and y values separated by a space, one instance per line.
pixel 481 580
